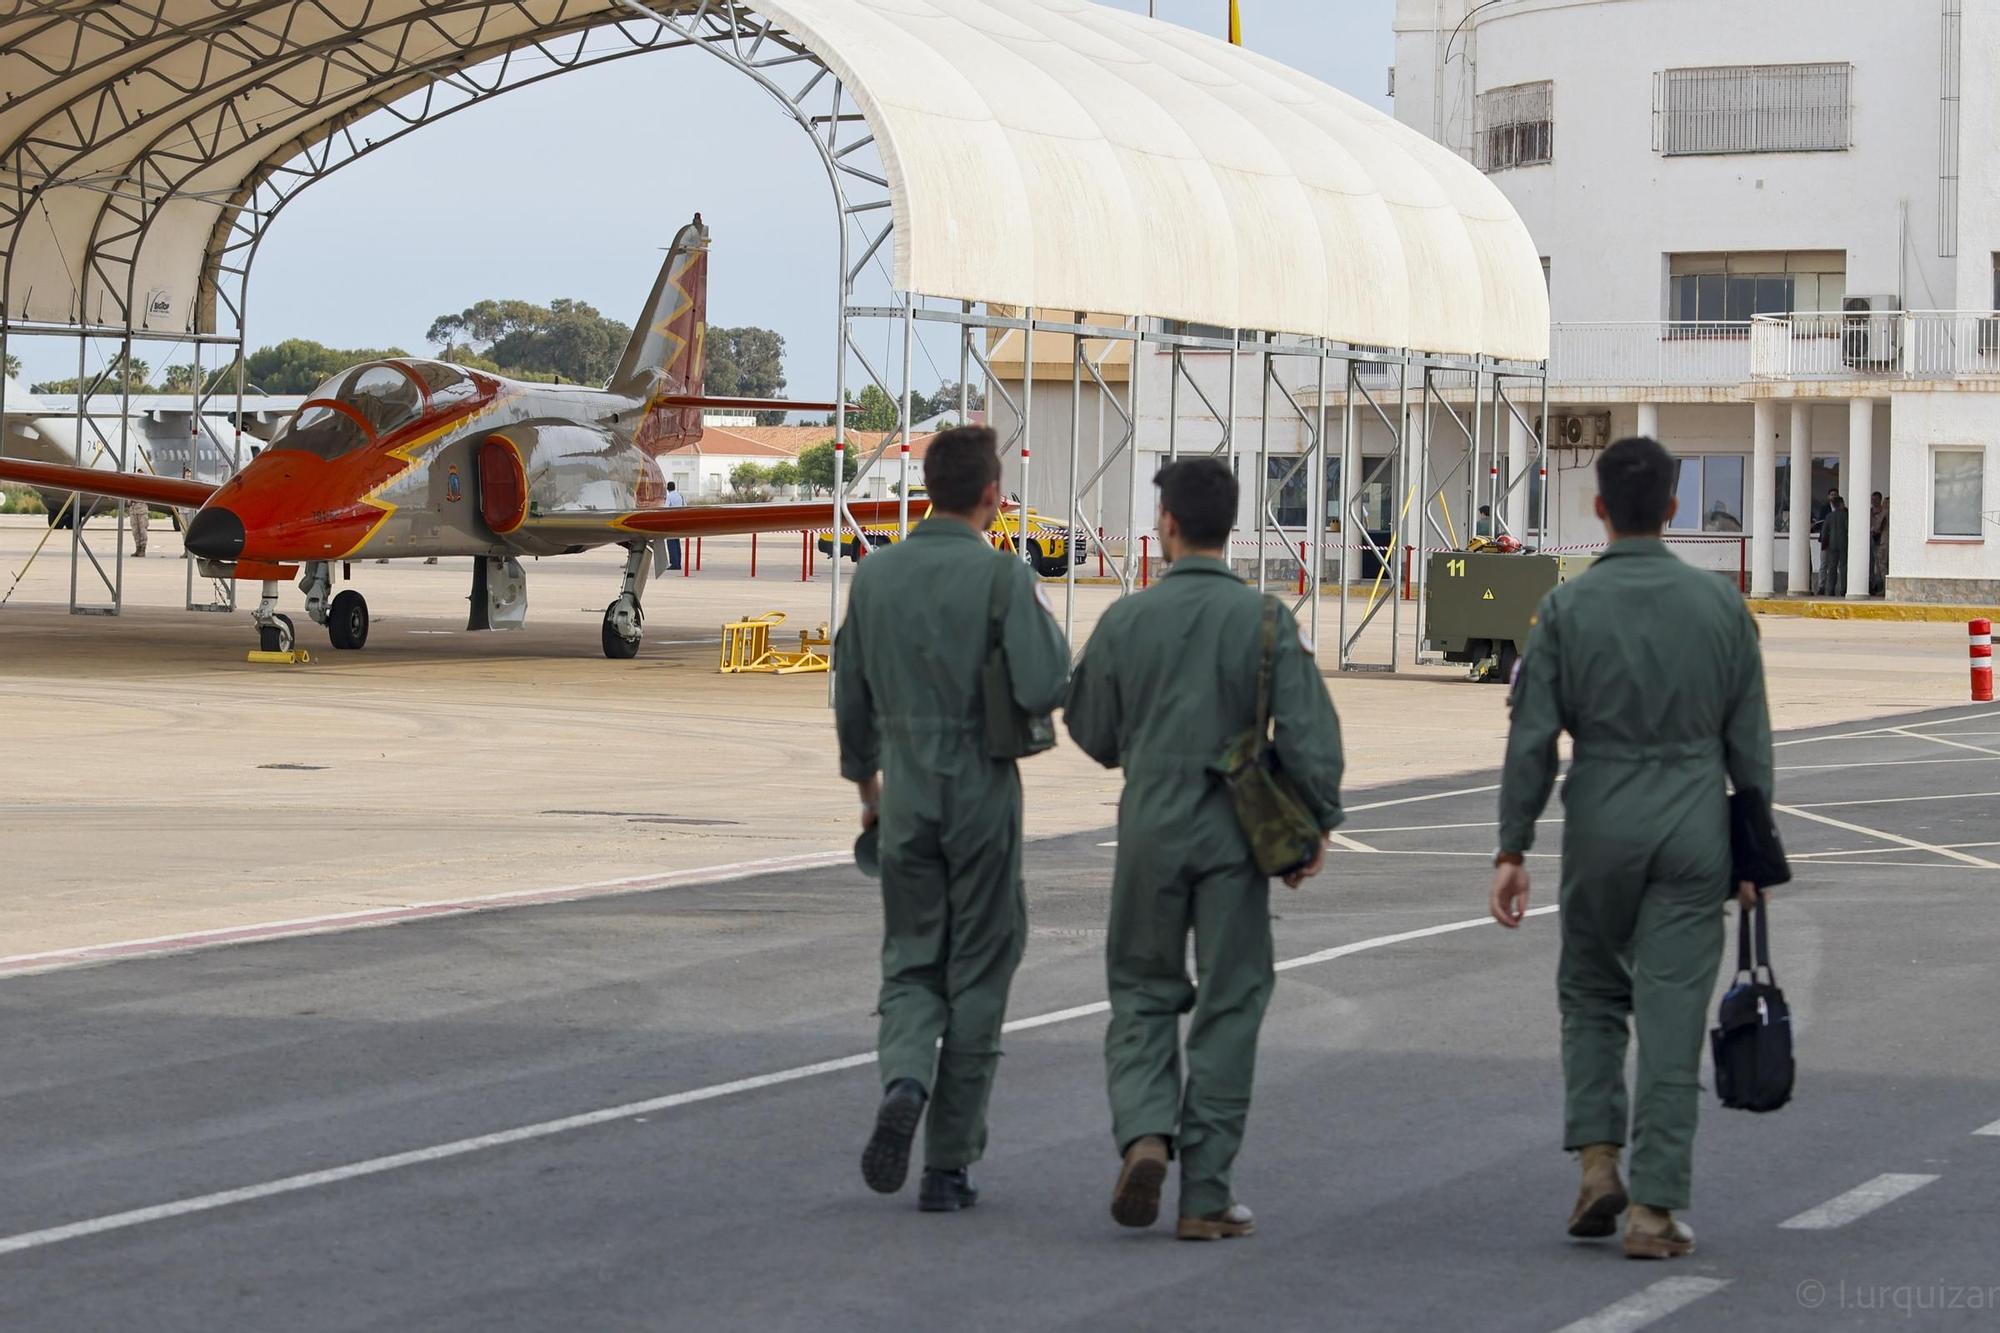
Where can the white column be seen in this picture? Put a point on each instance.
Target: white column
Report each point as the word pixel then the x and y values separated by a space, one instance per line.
pixel 1798 563
pixel 1515 506
pixel 1763 525
pixel 1855 486
pixel 1649 420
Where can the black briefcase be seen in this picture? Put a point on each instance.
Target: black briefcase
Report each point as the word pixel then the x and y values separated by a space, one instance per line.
pixel 1755 854
pixel 1752 1037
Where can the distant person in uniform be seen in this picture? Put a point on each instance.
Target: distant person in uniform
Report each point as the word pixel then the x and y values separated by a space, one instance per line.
pixel 675 500
pixel 1836 546
pixel 1878 543
pixel 138 515
pixel 1666 708
pixel 908 709
pixel 1483 526
pixel 1169 678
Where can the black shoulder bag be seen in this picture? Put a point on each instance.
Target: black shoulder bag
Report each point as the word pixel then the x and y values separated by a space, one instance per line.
pixel 1281 829
pixel 1011 731
pixel 1752 1037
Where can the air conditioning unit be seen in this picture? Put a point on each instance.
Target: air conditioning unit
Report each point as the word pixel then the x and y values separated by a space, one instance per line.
pixel 1578 430
pixel 1869 330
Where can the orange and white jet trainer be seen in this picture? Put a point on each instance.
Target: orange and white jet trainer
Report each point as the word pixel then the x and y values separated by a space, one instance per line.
pixel 411 458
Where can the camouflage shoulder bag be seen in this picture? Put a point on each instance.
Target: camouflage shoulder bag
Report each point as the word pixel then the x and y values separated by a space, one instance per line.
pixel 1282 832
pixel 1011 732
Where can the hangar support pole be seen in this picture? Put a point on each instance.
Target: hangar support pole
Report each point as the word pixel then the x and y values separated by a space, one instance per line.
pixel 1075 499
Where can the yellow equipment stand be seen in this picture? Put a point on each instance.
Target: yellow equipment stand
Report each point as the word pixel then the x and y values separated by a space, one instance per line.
pixel 296 657
pixel 746 648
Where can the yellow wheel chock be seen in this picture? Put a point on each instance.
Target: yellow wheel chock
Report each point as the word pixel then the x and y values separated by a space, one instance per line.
pixel 296 657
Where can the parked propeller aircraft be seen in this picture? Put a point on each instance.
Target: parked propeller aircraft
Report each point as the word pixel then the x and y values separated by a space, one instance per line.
pixel 163 434
pixel 411 458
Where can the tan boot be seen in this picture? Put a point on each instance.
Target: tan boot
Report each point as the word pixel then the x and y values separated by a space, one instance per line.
pixel 1230 1223
pixel 1136 1200
pixel 1602 1197
pixel 1654 1233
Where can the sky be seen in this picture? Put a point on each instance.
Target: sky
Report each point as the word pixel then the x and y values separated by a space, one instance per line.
pixel 573 187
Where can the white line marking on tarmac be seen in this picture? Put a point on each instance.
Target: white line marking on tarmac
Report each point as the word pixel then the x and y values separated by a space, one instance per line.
pixel 1877 763
pixel 1434 796
pixel 375 1166
pixel 1342 840
pixel 1860 1201
pixel 1897 800
pixel 1990 1131
pixel 50 959
pixel 1648 1305
pixel 1946 740
pixel 1950 853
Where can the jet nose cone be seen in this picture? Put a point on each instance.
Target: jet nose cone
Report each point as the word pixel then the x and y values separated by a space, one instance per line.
pixel 215 534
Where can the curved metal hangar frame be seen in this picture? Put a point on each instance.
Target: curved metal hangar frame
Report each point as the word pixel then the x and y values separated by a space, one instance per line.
pixel 1004 167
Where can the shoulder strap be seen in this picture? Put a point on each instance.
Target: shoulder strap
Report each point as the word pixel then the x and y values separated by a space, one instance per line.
pixel 1265 665
pixel 996 604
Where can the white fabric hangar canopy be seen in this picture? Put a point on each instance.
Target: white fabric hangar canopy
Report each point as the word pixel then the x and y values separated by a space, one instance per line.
pixel 1049 153
pixel 1070 156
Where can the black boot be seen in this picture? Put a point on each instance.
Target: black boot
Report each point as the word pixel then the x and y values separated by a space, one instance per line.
pixel 885 1162
pixel 946 1191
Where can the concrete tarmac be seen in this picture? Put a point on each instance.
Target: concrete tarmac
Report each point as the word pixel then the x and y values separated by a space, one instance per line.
pixel 677 1086
pixel 158 784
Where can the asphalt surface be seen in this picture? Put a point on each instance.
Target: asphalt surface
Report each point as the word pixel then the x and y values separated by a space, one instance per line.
pixel 1404 1158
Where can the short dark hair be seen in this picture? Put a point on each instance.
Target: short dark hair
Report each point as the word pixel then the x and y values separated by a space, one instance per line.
pixel 671 486
pixel 1201 495
pixel 1636 478
pixel 958 467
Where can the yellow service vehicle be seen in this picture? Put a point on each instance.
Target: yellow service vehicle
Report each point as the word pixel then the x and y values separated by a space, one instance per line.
pixel 1048 543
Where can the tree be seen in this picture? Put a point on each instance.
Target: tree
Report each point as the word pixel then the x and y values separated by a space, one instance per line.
pixel 13 366
pixel 946 400
pixel 746 363
pixel 782 476
pixel 747 482
pixel 179 378
pixel 876 411
pixel 133 379
pixel 299 365
pixel 815 468
pixel 566 338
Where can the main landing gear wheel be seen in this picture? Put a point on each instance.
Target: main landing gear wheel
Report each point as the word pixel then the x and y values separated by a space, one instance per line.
pixel 278 636
pixel 616 645
pixel 347 620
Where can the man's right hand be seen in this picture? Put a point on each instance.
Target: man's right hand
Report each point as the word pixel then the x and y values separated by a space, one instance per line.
pixel 1508 901
pixel 1310 868
pixel 871 800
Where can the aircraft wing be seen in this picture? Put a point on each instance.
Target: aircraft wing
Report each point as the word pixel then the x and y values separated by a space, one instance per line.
pixel 118 485
pixel 704 520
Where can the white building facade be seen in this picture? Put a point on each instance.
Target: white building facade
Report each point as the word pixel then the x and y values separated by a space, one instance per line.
pixel 1772 237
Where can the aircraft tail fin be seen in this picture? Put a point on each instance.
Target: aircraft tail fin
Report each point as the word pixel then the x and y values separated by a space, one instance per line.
pixel 667 356
pixel 21 403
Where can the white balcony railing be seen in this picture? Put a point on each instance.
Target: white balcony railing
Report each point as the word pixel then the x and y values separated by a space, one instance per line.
pixel 1910 345
pixel 1709 352
pixel 1900 344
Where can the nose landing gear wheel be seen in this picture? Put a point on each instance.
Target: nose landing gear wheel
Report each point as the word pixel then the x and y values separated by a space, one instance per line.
pixel 278 636
pixel 347 620
pixel 616 645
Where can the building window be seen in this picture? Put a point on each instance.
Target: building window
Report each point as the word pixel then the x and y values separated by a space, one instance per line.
pixel 1752 109
pixel 1734 288
pixel 1710 490
pixel 1517 126
pixel 1956 492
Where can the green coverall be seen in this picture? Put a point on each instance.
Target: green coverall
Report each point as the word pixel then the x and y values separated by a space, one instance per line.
pixel 1169 678
pixel 907 705
pixel 1653 668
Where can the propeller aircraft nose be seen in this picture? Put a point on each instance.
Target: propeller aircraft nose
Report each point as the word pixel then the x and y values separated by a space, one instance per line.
pixel 214 534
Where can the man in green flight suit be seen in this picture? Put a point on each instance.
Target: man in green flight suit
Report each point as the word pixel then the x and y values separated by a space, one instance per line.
pixel 1653 668
pixel 1169 678
pixel 908 709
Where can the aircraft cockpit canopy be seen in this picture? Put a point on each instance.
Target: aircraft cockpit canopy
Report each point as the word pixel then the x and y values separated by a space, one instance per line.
pixel 360 405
